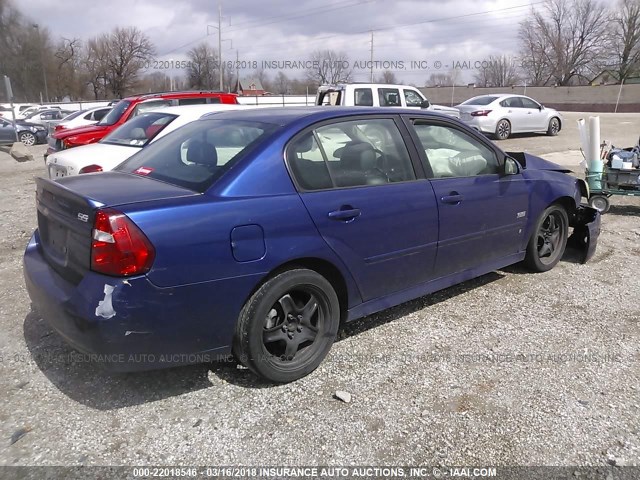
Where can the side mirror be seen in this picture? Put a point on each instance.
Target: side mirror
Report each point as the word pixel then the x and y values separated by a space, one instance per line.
pixel 511 167
pixel 425 104
pixel 541 107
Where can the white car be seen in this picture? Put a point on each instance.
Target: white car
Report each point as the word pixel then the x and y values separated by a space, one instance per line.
pixel 501 115
pixel 82 118
pixel 128 139
pixel 378 95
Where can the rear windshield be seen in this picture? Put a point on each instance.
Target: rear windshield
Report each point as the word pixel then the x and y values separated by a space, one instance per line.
pixel 196 155
pixel 73 115
pixel 140 130
pixel 114 115
pixel 484 100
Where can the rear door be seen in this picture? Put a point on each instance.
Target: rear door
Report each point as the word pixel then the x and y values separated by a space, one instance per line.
pixel 357 178
pixel 482 212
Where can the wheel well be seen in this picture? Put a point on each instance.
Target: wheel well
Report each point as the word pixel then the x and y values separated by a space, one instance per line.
pixel 324 268
pixel 569 204
pixel 559 122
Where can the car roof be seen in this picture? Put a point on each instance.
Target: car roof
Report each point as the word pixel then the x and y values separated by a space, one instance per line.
pixel 184 94
pixel 284 116
pixel 196 111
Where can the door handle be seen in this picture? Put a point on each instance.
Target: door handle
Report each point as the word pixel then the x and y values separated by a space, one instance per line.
pixel 454 198
pixel 345 214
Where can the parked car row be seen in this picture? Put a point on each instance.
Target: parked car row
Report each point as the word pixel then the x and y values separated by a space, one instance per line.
pixel 230 229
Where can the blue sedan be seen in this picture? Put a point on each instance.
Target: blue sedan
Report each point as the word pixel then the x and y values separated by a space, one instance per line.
pixel 257 233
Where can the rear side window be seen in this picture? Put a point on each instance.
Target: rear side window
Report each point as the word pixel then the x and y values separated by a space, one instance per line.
pixel 389 97
pixel 193 101
pixel 363 97
pixel 99 114
pixel 196 155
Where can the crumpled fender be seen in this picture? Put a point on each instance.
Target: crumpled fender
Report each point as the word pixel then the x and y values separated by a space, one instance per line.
pixel 586 230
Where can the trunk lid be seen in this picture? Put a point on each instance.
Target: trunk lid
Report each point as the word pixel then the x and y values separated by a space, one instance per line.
pixel 66 210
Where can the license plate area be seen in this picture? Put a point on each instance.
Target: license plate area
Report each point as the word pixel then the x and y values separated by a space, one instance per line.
pixel 57 171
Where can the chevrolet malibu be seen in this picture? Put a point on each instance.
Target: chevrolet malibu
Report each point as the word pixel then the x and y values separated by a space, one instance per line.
pixel 257 233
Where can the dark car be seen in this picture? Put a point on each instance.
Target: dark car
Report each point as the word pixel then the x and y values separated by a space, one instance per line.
pixel 28 133
pixel 258 232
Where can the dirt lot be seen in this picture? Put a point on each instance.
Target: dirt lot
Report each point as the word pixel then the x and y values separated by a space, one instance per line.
pixel 509 369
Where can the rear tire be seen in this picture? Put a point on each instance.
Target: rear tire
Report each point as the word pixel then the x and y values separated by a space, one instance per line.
pixel 600 203
pixel 288 325
pixel 503 129
pixel 548 240
pixel 554 127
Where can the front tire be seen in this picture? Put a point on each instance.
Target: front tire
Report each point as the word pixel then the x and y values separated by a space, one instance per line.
pixel 288 325
pixel 549 239
pixel 503 129
pixel 27 138
pixel 554 127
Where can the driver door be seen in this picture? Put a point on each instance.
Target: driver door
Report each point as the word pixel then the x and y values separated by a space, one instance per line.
pixel 7 133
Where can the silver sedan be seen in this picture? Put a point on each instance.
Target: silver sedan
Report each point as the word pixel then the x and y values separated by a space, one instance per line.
pixel 503 114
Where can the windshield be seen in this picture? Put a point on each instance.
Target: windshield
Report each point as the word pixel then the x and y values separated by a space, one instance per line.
pixel 140 130
pixel 484 100
pixel 196 155
pixel 114 115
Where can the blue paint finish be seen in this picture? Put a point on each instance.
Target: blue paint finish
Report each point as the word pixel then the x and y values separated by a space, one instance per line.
pixel 214 249
pixel 247 243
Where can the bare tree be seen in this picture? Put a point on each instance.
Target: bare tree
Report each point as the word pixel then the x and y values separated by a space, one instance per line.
pixel 263 77
pixel 499 71
pixel 624 38
pixel 203 70
pixel 94 65
pixel 128 49
pixel 329 67
pixel 563 40
pixel 387 77
pixel 281 84
pixel 66 82
pixel 439 80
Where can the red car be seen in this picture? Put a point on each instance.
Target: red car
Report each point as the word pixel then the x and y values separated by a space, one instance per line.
pixel 125 110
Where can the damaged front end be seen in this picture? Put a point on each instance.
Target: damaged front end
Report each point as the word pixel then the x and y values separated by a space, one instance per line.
pixel 586 229
pixel 584 219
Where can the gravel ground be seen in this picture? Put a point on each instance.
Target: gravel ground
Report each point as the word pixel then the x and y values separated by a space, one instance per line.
pixel 512 368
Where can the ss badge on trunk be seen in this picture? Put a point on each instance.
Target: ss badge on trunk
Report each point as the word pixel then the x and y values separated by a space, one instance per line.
pixel 83 217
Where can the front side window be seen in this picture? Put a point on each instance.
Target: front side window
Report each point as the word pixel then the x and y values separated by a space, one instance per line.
pixel 453 153
pixel 528 103
pixel 349 154
pixel 412 98
pixel 197 154
pixel 140 130
pixel 389 97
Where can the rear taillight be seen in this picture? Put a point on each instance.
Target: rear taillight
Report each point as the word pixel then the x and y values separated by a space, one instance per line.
pixel 57 128
pixel 118 246
pixel 480 113
pixel 91 169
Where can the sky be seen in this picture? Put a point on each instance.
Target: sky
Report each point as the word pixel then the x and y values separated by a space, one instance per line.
pixel 415 38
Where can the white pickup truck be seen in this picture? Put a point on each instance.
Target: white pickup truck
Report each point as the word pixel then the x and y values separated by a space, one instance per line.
pixel 378 95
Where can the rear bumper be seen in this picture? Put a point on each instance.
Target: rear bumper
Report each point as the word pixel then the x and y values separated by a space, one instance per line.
pixel 482 124
pixel 128 325
pixel 586 230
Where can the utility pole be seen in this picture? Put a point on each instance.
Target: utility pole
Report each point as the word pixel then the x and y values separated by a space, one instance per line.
pixel 44 70
pixel 371 56
pixel 220 43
